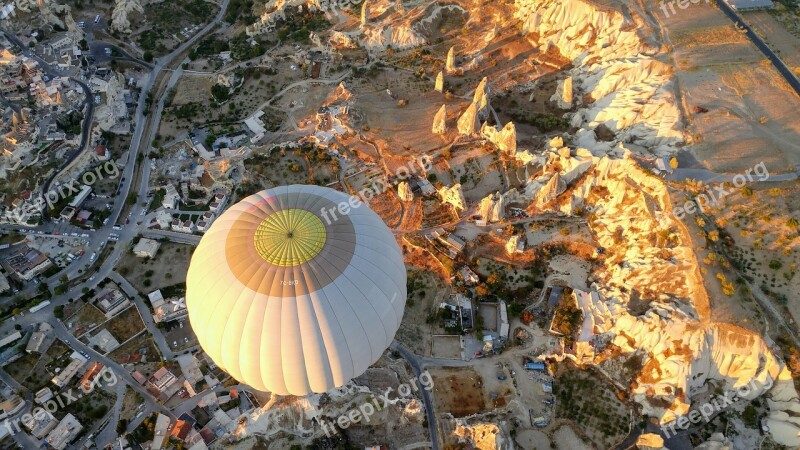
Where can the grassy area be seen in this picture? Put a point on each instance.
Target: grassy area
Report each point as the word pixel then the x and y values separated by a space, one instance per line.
pixel 158 197
pixel 11 237
pixel 143 345
pixel 126 324
pixel 91 407
pixel 592 405
pixel 87 317
pixel 167 268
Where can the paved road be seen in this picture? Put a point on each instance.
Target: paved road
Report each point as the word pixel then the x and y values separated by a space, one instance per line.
pixel 784 70
pixel 413 361
pixel 174 236
pixel 100 46
pixel 99 238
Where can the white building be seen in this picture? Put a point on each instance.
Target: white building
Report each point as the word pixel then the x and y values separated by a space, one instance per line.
pixel 81 196
pixel 63 378
pixel 64 433
pixel 146 248
pixel 171 197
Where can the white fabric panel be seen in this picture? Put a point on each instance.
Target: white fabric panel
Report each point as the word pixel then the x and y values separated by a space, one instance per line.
pixel 297 338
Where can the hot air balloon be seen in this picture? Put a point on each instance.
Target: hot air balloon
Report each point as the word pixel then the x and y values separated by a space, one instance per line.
pixel 289 295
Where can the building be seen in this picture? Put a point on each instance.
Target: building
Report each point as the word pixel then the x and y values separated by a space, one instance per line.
pixel 111 300
pixel 162 379
pixel 66 430
pixel 81 196
pixel 63 378
pixel 67 213
pixel 139 377
pixel 83 216
pixel 503 321
pixel 42 395
pixel 41 339
pixel 26 263
pixel 101 153
pixel 13 337
pixel 171 197
pixel 41 424
pixel 168 310
pixel 749 5
pixel 160 431
pixel 219 203
pixel 146 248
pixel 11 406
pixel 4 286
pixel 156 299
pixel 186 226
pixel 190 368
pixel 181 430
pixel 87 382
pixel 104 340
pixel 468 276
pixel 205 221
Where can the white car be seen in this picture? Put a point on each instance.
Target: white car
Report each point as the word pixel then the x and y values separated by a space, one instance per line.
pixel 174 343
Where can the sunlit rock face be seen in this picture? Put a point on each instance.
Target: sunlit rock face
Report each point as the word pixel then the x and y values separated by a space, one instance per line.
pixel 505 140
pixel 469 123
pixel 440 121
pixel 52 12
pixel 404 191
pixel 684 354
pixel 120 16
pixel 439 85
pixel 450 63
pixel 626 88
pixel 453 196
pixel 481 435
pixel 393 30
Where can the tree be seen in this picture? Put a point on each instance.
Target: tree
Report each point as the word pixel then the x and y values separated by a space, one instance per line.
pixel 220 93
pixel 148 56
pixel 673 163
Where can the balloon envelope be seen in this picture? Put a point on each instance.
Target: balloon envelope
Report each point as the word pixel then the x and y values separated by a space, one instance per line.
pixel 294 290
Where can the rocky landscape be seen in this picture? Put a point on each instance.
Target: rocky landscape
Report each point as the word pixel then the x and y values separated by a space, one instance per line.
pixel 618 92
